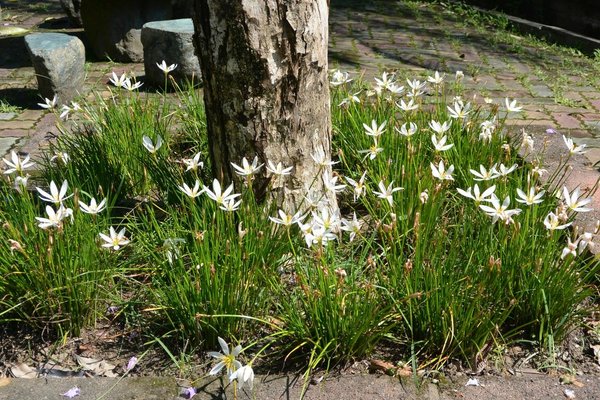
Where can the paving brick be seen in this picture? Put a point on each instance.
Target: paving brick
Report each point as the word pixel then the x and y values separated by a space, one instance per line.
pixel 566 121
pixel 31 115
pixel 7 116
pixel 15 132
pixel 524 123
pixel 17 124
pixel 6 144
pixel 535 115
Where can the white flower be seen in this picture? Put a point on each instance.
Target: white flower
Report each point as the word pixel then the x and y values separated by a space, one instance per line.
pixel 151 147
pixel 438 128
pixel 531 198
pixel 395 89
pixel 288 219
pixel 385 81
pixel 527 143
pixel 55 196
pixel 226 359
pixel 49 104
pixel 329 220
pixel 353 226
pixel 164 68
pixel 230 205
pixel 193 163
pixel 440 172
pixel 512 106
pixel 570 248
pixel 359 187
pixel 16 164
pixel 407 129
pixel 416 87
pixel 551 222
pixel 459 75
pixel 387 192
pixel 92 208
pixel 352 98
pixel 66 110
pixel 247 169
pixel 441 144
pixel 504 171
pixel 118 81
pixel 484 174
pixel 278 169
pixel 474 193
pixel 372 152
pixel 243 375
pixel 321 159
pixel 436 79
pixel 21 183
pixel 318 235
pixel 586 240
pixel 459 110
pixel 114 239
pixel 573 202
pixel 339 78
pixel 131 87
pixel 375 130
pixel 571 146
pixel 61 156
pixel 424 196
pixel 499 211
pixel 55 218
pixel 411 105
pixel 330 183
pixel 193 192
pixel 217 195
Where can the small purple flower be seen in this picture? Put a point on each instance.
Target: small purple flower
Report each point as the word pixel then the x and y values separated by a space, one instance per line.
pixel 112 310
pixel 131 364
pixel 74 391
pixel 190 392
pixel 550 131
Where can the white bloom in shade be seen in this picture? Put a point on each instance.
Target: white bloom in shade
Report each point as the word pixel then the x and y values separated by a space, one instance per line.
pixel 424 196
pixel 164 68
pixel 330 183
pixel 416 87
pixel 352 226
pixel 385 81
pixel 407 129
pixel 573 202
pixel 131 86
pixel 387 192
pixel 503 170
pixel 441 144
pixel 327 219
pixel 530 198
pixel 484 174
pixel 55 218
pixel 375 130
pixel 459 75
pixel 570 248
pixel 49 104
pixel 92 208
pixel 339 78
pixel 114 240
pixel 572 148
pixel 55 196
pixel 278 169
pixel 359 187
pixel 151 147
pixel 243 375
pixel 192 192
pixel 226 359
pixel 230 205
pixel 217 195
pixel 527 143
pixel 193 163
pixel 499 211
pixel 118 81
pixel 371 152
pixel 352 98
pixel 552 222
pixel 247 169
pixel 66 110
pixel 318 235
pixel 436 79
pixel 16 164
pixel 586 240
pixel 61 156
pixel 286 219
pixel 321 159
pixel 395 89
pixel 475 194
pixel 511 106
pixel 21 183
pixel 440 171
pixel 411 105
pixel 438 128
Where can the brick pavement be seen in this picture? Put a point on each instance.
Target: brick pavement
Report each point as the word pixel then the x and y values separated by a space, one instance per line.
pixel 558 90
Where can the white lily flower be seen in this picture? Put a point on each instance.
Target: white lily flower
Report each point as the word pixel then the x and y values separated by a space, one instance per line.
pixel 16 164
pixel 330 182
pixel 118 81
pixel 407 129
pixel 359 187
pixel 552 222
pixel 573 202
pixel 193 192
pixel 114 240
pixel 49 104
pixel 573 149
pixel 55 218
pixel 131 86
pixel 441 144
pixel 352 226
pixel 193 163
pixel 226 359
pixel 459 110
pixel 371 152
pixel 436 79
pixel 243 375
pixel 503 170
pixel 164 68
pixel 438 128
pixel 339 78
pixel 530 198
pixel 55 196
pixel 570 248
pixel 484 174
pixel 217 195
pixel 92 208
pixel 511 106
pixel 375 130
pixel 230 205
pixel 247 169
pixel 386 192
pixel 440 171
pixel 288 219
pixel 321 159
pixel 474 193
pixel 151 147
pixel 500 211
pixel 278 169
pixel 411 105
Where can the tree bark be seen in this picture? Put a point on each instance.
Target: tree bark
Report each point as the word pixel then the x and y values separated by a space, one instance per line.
pixel 266 91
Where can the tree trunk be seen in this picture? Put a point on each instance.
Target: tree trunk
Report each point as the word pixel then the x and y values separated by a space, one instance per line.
pixel 264 68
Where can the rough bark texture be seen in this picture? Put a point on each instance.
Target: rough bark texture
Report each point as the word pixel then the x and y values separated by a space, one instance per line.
pixel 264 66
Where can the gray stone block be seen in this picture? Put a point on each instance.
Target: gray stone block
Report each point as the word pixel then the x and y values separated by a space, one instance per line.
pixel 171 41
pixel 113 27
pixel 59 61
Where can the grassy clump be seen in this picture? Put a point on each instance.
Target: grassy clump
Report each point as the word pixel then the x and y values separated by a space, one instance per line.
pixel 410 259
